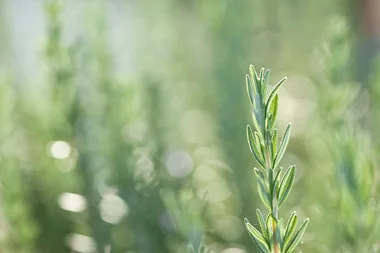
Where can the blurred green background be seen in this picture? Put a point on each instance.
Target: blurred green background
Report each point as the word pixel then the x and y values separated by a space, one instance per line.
pixel 122 123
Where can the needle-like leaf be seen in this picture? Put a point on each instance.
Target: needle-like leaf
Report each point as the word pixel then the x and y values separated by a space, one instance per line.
pixel 262 223
pixel 286 185
pixel 253 147
pixel 297 238
pixel 263 188
pixel 275 90
pixel 283 145
pixel 257 237
pixel 290 229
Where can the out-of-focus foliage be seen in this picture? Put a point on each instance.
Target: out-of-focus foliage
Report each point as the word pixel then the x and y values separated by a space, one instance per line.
pixel 122 124
pixel 341 113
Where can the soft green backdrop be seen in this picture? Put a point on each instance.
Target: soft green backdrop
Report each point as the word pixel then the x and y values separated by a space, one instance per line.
pixel 122 124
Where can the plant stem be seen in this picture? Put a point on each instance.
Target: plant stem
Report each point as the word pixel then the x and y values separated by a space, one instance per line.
pixel 274 210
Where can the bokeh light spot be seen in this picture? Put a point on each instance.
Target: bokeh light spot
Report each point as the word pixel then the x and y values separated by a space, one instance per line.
pixel 72 202
pixel 60 149
pixel 112 208
pixel 80 243
pixel 179 163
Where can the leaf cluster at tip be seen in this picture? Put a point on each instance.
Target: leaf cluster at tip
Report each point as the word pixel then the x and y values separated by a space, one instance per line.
pixel 273 187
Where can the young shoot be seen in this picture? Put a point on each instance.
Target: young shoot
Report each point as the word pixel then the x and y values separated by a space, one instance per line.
pixel 273 235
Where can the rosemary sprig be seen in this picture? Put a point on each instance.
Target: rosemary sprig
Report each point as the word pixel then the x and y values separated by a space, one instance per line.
pixel 273 236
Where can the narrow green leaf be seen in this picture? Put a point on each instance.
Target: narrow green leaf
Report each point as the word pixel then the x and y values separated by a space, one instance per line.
pixel 266 77
pixel 269 221
pixel 258 138
pixel 290 229
pixel 271 182
pixel 258 101
pixel 276 183
pixel 286 184
pixel 260 175
pixel 270 146
pixel 272 111
pixel 262 224
pixel 264 83
pixel 259 142
pixel 275 90
pixel 255 78
pixel 257 237
pixel 256 153
pixel 257 122
pixel 261 75
pixel 261 146
pixel 273 106
pixel 252 71
pixel 297 238
pixel 263 188
pixel 250 89
pixel 274 144
pixel 283 145
pixel 269 121
pixel 279 238
pixel 259 113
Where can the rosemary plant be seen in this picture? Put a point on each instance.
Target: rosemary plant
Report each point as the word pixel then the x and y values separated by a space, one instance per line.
pixel 274 236
pixel 356 225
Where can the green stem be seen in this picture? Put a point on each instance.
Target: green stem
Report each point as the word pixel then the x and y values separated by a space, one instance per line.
pixel 274 210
